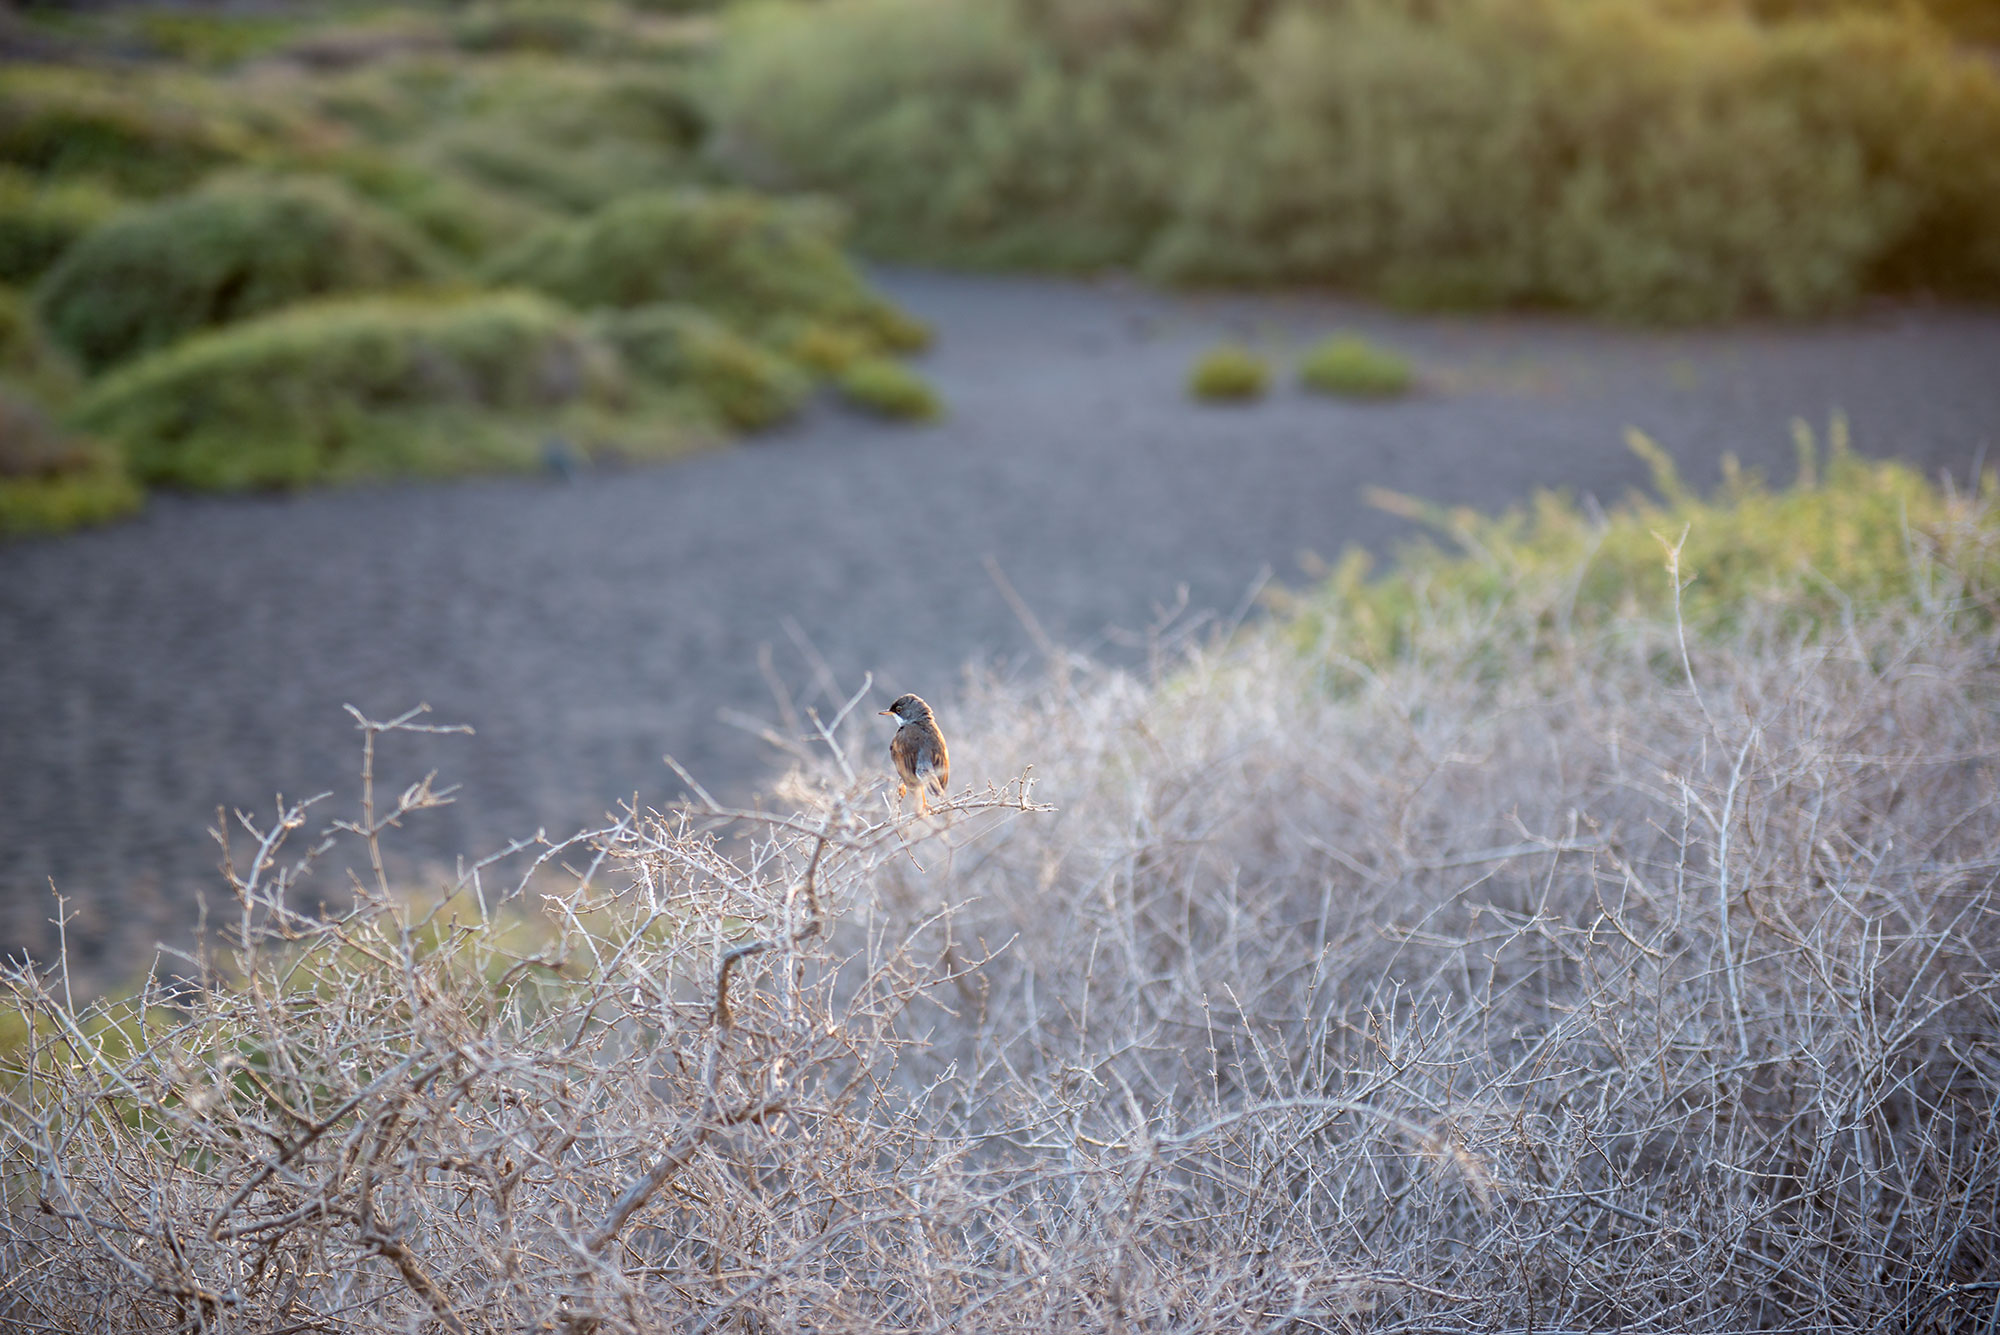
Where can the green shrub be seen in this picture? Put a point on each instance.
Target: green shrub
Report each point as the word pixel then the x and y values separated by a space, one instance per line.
pixel 465 218
pixel 680 346
pixel 569 29
pixel 960 136
pixel 214 39
pixel 748 259
pixel 1228 374
pixel 824 348
pixel 144 133
pixel 51 479
pixel 1621 156
pixel 223 253
pixel 1354 367
pixel 38 222
pixel 28 359
pixel 1850 532
pixel 889 389
pixel 362 387
pixel 567 135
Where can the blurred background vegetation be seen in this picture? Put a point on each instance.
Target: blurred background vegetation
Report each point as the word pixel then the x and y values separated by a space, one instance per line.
pixel 275 245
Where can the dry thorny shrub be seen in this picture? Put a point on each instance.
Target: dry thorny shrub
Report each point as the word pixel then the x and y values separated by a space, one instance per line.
pixel 1545 979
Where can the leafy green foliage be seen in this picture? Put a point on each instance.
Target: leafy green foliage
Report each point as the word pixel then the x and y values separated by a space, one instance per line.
pixel 1351 366
pixel 226 252
pixel 143 133
pixel 748 259
pixel 1228 374
pixel 27 358
pixel 889 389
pixel 1618 156
pixel 39 222
pixel 51 479
pixel 680 346
pixel 355 388
pixel 1850 531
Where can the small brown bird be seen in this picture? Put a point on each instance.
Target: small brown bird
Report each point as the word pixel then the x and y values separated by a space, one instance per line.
pixel 918 751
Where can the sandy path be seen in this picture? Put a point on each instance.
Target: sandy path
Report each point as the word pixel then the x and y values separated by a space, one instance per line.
pixel 200 655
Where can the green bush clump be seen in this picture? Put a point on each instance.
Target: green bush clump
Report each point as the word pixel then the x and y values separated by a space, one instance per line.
pixel 52 479
pixel 889 389
pixel 466 219
pixel 963 137
pixel 748 259
pixel 28 359
pixel 1618 156
pixel 682 347
pixel 1352 366
pixel 1229 374
pixel 223 253
pixel 355 388
pixel 143 133
pixel 1849 532
pixel 570 29
pixel 39 221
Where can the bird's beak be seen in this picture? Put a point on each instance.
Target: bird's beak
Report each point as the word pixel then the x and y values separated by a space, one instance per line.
pixel 882 711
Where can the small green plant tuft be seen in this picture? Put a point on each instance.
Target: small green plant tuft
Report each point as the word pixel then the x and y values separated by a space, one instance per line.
pixel 1352 367
pixel 1228 374
pixel 224 253
pixel 887 388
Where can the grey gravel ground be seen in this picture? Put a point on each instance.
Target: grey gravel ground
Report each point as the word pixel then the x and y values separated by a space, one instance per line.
pixel 200 656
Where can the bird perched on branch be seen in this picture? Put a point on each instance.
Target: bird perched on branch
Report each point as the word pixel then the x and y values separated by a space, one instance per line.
pixel 918 751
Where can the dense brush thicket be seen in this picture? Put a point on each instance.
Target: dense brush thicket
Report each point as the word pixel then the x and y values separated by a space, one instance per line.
pixel 1557 963
pixel 231 250
pixel 1618 156
pixel 185 190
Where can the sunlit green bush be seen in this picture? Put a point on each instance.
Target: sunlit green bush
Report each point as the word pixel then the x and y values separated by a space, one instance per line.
pixel 363 387
pixel 1228 373
pixel 680 346
pixel 888 388
pixel 1352 366
pixel 143 132
pixel 1850 531
pixel 223 253
pixel 27 358
pixel 1620 156
pixel 748 259
pixel 959 135
pixel 38 222
pixel 52 479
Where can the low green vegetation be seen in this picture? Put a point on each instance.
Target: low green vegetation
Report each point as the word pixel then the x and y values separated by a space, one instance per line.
pixel 1353 367
pixel 222 253
pixel 887 388
pixel 1229 374
pixel 1850 530
pixel 746 385
pixel 201 219
pixel 39 221
pixel 751 260
pixel 53 479
pixel 361 388
pixel 1638 159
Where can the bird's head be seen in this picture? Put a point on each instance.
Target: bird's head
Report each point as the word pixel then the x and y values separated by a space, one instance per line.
pixel 908 709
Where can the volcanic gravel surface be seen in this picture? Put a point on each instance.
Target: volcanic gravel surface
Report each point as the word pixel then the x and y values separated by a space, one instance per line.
pixel 198 657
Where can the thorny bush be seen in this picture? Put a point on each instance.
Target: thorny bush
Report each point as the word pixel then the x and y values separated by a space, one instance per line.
pixel 1540 977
